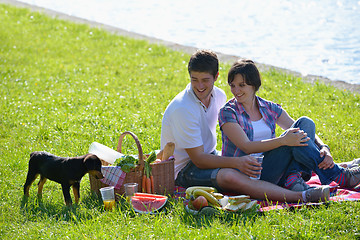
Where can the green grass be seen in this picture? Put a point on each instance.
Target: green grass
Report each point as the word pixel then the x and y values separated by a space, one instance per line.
pixel 65 85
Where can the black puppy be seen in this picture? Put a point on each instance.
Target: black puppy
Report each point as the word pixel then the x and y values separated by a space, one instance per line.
pixel 67 171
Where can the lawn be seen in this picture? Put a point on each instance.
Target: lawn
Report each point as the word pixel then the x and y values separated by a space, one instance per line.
pixel 65 85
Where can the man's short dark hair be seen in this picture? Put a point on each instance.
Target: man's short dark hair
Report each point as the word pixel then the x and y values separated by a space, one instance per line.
pixel 204 61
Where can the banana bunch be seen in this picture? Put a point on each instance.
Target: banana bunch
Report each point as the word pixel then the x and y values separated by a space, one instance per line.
pixel 234 203
pixel 208 192
pixel 241 202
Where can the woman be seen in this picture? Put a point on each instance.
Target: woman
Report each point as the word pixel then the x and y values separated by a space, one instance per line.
pixel 248 123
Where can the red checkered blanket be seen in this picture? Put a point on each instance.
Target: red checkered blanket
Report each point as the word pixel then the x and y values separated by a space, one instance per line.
pixel 337 194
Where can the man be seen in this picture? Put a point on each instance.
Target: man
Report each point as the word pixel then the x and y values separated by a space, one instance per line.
pixel 190 122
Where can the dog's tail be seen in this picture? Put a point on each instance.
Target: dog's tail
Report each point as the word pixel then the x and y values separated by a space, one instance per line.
pixel 35 155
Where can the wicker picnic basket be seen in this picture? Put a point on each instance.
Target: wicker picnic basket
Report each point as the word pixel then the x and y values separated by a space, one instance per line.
pixel 163 173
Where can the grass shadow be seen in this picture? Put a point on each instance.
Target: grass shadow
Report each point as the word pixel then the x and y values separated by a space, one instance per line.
pixel 34 208
pixel 91 206
pixel 203 220
pixel 207 216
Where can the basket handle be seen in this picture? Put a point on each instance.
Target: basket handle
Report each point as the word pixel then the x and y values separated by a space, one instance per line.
pixel 141 155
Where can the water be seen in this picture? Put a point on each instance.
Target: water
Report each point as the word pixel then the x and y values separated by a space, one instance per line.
pixel 311 37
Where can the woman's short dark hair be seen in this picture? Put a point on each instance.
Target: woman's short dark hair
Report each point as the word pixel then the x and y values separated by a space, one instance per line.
pixel 204 61
pixel 248 71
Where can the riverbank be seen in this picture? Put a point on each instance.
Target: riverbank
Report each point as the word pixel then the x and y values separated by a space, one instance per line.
pixel 187 49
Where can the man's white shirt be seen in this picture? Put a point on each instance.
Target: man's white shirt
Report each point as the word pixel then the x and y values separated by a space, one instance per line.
pixel 189 124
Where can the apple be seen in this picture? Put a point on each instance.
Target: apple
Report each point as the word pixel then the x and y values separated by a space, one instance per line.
pixel 199 202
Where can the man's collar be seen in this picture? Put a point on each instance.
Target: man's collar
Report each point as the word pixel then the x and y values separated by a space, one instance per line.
pixel 191 91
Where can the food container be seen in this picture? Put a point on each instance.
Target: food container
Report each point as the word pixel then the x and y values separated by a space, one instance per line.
pixel 104 153
pixel 163 172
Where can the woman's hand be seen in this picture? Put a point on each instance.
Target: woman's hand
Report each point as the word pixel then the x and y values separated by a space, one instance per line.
pixel 328 161
pixel 295 137
pixel 248 165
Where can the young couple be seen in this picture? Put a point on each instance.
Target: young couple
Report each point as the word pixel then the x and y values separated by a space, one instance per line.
pixel 247 123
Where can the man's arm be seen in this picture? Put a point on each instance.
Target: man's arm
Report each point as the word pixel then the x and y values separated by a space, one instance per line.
pixel 246 164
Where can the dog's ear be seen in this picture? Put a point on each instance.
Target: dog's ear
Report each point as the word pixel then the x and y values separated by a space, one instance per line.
pixel 92 162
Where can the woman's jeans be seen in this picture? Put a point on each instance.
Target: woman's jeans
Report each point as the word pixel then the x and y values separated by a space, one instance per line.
pixel 280 162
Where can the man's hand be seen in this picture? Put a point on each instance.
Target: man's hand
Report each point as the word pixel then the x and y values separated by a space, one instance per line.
pixel 248 165
pixel 328 161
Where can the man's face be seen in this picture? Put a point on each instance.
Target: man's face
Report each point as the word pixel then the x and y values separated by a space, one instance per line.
pixel 202 84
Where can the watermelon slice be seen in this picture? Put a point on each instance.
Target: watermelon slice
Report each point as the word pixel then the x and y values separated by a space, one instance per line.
pixel 148 203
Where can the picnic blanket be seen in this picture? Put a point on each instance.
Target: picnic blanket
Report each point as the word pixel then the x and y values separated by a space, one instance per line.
pixel 336 194
pixel 114 176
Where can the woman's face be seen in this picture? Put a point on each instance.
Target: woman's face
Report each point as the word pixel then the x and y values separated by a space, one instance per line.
pixel 241 91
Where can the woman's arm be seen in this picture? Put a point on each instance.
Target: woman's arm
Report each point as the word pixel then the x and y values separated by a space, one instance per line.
pixel 328 161
pixel 285 121
pixel 237 136
pixel 292 137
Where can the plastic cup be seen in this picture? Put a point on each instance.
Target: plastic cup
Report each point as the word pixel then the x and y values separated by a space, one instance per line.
pixel 259 158
pixel 108 197
pixel 130 189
